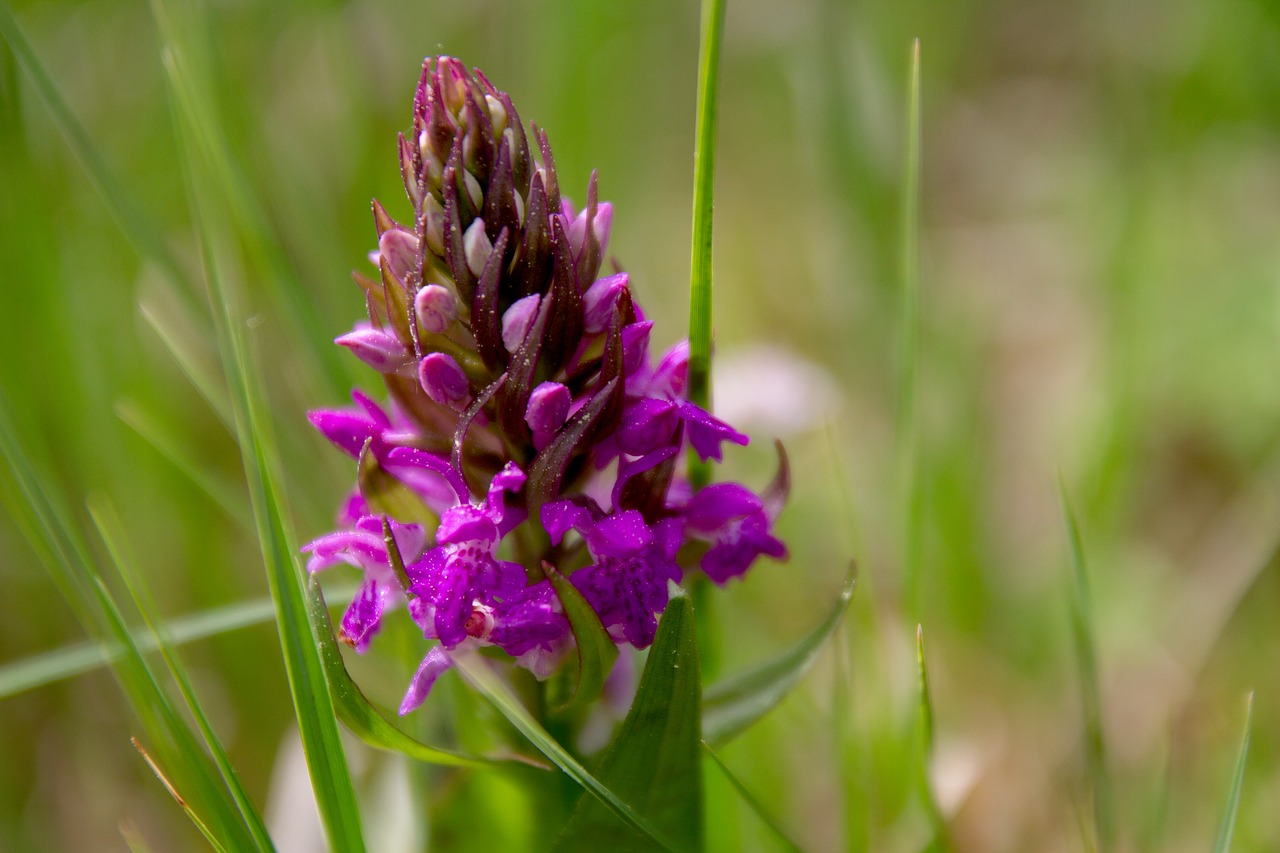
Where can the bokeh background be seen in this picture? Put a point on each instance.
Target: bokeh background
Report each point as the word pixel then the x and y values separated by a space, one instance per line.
pixel 1099 270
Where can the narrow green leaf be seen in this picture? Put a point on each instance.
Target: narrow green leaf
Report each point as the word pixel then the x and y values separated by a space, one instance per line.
pixel 40 511
pixel 1087 660
pixel 596 651
pixel 172 333
pixel 357 713
pixel 938 824
pixel 704 170
pixel 223 493
pixel 214 841
pixel 479 674
pixel 908 451
pixel 299 640
pixel 732 706
pixel 109 529
pixel 48 667
pixel 753 803
pixel 1237 785
pixel 653 761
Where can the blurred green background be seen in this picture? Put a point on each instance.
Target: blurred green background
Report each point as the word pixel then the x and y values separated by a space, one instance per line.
pixel 1099 269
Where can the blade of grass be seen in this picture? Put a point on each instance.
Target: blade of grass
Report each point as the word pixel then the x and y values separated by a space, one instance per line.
pixel 1228 826
pixel 731 706
pixel 479 674
pixel 180 345
pixel 938 824
pixel 596 651
pixel 41 513
pixel 299 642
pixel 704 170
pixel 908 450
pixel 1082 632
pixel 110 530
pixel 222 493
pixel 213 840
pixel 138 229
pixel 753 803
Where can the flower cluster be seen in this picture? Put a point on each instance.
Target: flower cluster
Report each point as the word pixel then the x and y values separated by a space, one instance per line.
pixel 528 424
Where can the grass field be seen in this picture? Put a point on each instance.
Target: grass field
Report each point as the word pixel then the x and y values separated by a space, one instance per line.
pixel 1076 316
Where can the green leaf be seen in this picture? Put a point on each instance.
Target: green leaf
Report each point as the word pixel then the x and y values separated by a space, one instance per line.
pixel 1087 660
pixel 357 713
pixel 753 803
pixel 596 651
pixel 704 171
pixel 1237 785
pixel 653 762
pixel 938 824
pixel 109 528
pixel 481 676
pixel 732 706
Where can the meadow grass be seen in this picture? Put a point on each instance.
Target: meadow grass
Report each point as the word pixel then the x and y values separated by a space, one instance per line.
pixel 1031 257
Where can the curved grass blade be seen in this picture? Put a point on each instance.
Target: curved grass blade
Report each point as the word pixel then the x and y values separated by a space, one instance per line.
pixel 40 511
pixel 1237 784
pixel 653 760
pixel 938 824
pixel 191 813
pixel 753 803
pixel 357 713
pixel 596 651
pixel 49 667
pixel 483 678
pixel 299 642
pixel 1087 660
pixel 704 171
pixel 108 525
pixel 732 706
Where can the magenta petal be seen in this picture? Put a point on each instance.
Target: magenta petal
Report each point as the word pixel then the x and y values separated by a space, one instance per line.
pixel 431 668
pixel 715 504
pixel 559 517
pixel 620 535
pixel 466 523
pixel 347 430
pixel 706 432
pixel 647 424
pixel 363 616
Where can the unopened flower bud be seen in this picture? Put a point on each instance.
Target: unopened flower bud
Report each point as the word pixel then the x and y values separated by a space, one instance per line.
pixel 635 346
pixel 444 381
pixel 497 114
pixel 474 191
pixel 598 302
pixel 547 411
pixel 476 244
pixel 433 216
pixel 603 224
pixel 518 319
pixel 400 250
pixel 436 308
pixel 379 349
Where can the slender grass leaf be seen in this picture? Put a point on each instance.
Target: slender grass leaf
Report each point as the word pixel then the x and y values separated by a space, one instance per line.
pixel 41 514
pixel 732 706
pixel 1087 660
pixel 753 803
pixel 653 761
pixel 221 492
pixel 49 667
pixel 191 813
pixel 1228 826
pixel 704 171
pixel 355 711
pixel 109 528
pixel 909 269
pixel 479 674
pixel 138 229
pixel 938 824
pixel 596 651
pixel 171 331
pixel 299 640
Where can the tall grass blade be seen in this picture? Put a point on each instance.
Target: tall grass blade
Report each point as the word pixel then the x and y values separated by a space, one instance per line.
pixel 299 641
pixel 180 345
pixel 41 513
pixel 1237 785
pixel 1082 632
pixel 938 824
pixel 753 803
pixel 732 706
pixel 909 266
pixel 138 229
pixel 481 676
pixel 214 841
pixel 109 529
pixel 704 170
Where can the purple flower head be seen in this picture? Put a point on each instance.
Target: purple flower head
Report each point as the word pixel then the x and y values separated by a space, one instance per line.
pixel 365 548
pixel 627 583
pixel 524 408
